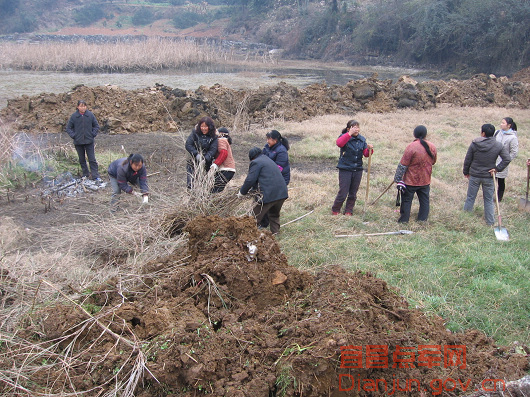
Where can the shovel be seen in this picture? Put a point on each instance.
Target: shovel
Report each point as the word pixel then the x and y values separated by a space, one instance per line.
pixel 375 234
pixel 500 232
pixel 524 204
pixel 367 179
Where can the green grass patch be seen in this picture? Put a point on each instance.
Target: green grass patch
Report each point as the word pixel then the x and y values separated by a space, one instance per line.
pixel 470 279
pixel 453 266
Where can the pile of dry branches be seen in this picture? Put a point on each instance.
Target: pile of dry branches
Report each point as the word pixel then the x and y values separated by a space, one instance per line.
pixel 114 250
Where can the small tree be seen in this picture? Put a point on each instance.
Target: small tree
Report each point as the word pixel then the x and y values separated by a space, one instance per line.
pixel 144 16
pixel 88 14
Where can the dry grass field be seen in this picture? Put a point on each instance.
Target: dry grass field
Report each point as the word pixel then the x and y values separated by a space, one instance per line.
pixel 452 266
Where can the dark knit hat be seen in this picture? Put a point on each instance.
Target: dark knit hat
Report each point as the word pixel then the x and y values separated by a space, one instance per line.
pixel 223 130
pixel 253 153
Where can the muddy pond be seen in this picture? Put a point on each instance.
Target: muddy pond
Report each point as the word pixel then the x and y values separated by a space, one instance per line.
pixel 15 83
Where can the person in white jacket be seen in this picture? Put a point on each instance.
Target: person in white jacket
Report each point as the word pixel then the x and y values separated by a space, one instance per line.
pixel 507 135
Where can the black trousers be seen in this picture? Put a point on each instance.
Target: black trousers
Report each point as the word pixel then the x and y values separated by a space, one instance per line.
pixel 90 153
pixel 406 202
pixel 349 182
pixel 272 209
pixel 500 188
pixel 221 179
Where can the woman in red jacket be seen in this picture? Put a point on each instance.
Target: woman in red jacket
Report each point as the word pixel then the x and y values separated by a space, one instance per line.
pixel 353 147
pixel 413 175
pixel 224 165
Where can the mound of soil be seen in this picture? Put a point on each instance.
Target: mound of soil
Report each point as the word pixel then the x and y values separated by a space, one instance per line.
pixel 230 317
pixel 164 109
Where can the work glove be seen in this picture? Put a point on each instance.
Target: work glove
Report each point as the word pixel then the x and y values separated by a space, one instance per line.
pixel 146 199
pixel 401 186
pixel 137 194
pixel 214 167
pixel 239 194
pixel 199 157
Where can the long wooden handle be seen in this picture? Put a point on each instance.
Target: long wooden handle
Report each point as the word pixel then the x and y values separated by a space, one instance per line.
pixel 497 199
pixel 527 180
pixel 368 178
pixel 381 195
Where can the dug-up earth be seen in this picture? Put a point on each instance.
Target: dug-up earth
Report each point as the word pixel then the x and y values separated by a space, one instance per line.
pixel 168 109
pixel 221 319
pixel 230 317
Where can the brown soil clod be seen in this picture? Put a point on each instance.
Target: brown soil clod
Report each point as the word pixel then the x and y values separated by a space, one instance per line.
pixel 223 325
pixel 162 108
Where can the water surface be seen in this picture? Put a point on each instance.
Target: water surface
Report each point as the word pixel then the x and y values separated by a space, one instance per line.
pixel 297 73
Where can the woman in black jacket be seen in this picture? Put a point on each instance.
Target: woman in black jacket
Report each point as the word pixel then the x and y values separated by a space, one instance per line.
pixel 353 147
pixel 202 146
pixel 83 128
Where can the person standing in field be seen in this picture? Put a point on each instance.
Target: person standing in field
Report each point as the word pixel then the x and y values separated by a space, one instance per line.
pixel 224 165
pixel 125 172
pixel 276 149
pixel 413 175
pixel 265 176
pixel 83 128
pixel 479 168
pixel 202 146
pixel 353 147
pixel 507 135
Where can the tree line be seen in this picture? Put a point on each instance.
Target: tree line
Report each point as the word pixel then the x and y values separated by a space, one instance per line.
pixel 490 36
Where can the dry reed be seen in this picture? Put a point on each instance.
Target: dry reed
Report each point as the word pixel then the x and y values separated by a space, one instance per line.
pixel 7 145
pixel 151 54
pixel 69 266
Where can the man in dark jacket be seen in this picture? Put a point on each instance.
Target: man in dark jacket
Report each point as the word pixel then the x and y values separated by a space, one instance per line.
pixel 479 168
pixel 264 174
pixel 83 128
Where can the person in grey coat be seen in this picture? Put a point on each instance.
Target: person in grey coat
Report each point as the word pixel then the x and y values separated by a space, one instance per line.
pixel 264 175
pixel 83 128
pixel 479 168
pixel 507 135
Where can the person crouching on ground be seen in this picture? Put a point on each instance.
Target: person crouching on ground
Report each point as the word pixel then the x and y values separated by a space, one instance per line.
pixel 353 147
pixel 479 168
pixel 413 175
pixel 125 172
pixel 224 165
pixel 265 176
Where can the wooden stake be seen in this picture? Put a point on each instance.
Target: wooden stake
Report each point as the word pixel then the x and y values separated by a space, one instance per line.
pixel 384 191
pixel 297 219
pixel 367 178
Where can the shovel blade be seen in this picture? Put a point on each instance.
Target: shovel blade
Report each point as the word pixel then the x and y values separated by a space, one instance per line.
pixel 501 233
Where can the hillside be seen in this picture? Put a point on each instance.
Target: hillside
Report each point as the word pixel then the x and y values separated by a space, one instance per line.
pixel 463 37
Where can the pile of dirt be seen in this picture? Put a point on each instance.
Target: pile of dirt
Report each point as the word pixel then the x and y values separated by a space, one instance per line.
pixel 165 109
pixel 230 317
